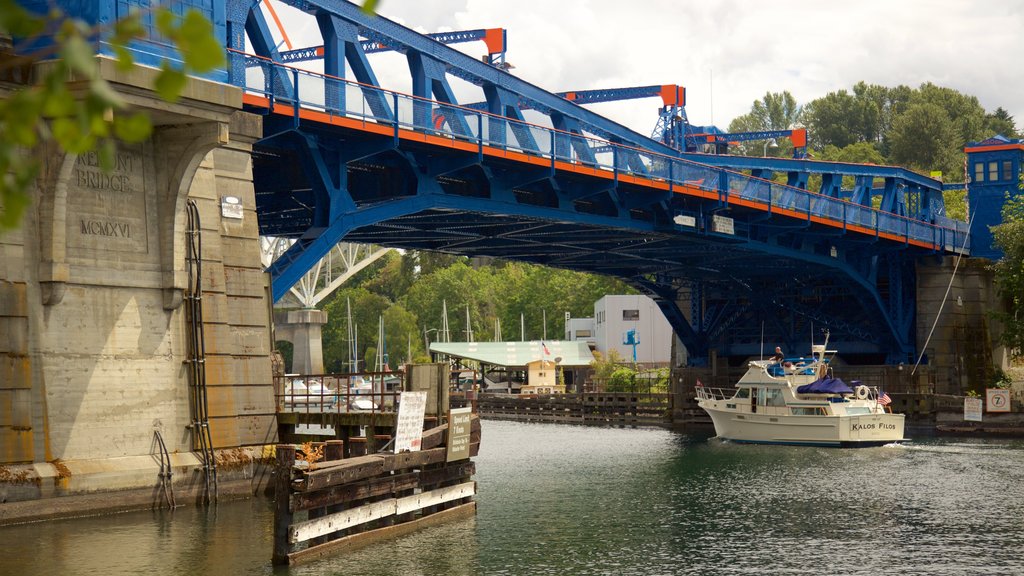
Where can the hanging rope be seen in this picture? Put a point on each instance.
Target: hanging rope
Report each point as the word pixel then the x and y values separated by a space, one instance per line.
pixel 949 287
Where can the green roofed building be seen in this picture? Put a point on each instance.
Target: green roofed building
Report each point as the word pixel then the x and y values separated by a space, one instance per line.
pixel 516 357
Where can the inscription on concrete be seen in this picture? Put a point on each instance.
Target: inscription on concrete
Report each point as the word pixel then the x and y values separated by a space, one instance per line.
pixel 107 209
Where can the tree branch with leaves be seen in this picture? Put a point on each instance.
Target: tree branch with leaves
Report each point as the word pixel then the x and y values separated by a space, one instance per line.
pixel 56 94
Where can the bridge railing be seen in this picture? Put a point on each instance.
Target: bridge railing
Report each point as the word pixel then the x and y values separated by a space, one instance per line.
pixel 338 97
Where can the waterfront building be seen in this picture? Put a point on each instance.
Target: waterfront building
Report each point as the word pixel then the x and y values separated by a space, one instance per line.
pixel 615 316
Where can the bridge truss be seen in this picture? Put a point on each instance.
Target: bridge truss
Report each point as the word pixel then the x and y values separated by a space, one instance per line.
pixel 343 261
pixel 725 244
pixel 725 249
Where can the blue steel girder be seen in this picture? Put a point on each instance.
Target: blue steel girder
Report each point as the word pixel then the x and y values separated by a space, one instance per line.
pixel 895 314
pixel 898 180
pixel 258 29
pixel 392 34
pixel 370 46
pixel 428 80
pixel 501 103
pixel 341 45
pixel 571 138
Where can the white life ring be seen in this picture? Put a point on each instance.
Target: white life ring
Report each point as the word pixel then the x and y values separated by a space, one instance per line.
pixel 862 392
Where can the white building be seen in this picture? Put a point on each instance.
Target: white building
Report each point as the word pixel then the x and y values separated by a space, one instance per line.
pixel 614 317
pixel 580 329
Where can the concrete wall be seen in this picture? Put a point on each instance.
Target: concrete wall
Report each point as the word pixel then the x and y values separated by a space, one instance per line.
pixel 963 351
pixel 92 331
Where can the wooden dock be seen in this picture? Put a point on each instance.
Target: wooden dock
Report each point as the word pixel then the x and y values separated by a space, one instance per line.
pixel 326 503
pixel 591 408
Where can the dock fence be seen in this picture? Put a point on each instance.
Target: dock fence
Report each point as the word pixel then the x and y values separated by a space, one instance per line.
pixel 592 408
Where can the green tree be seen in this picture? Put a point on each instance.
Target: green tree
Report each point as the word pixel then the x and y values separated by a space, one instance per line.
pixel 456 287
pixel 402 330
pixel 604 367
pixel 1000 122
pixel 536 292
pixel 1009 237
pixel 923 138
pixel 367 308
pixel 859 153
pixel 964 112
pixel 46 109
pixel 391 276
pixel 622 379
pixel 774 111
pixel 839 119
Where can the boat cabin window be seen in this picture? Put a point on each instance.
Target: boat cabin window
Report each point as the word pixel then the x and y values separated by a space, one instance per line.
pixel 758 397
pixel 743 393
pixel 775 397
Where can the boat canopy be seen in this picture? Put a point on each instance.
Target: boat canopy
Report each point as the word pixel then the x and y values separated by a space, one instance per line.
pixel 825 386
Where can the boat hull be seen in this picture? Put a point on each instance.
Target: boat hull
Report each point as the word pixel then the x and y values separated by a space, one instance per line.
pixel 833 431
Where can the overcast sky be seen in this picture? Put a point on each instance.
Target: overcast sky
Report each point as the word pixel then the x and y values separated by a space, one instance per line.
pixel 727 53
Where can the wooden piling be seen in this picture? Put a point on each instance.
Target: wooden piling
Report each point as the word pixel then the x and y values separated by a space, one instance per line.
pixel 356 446
pixel 380 441
pixel 282 510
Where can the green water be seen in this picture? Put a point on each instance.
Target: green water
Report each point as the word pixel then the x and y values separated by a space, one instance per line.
pixel 572 500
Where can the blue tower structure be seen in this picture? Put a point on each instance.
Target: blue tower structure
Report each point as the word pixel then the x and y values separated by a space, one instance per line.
pixel 994 171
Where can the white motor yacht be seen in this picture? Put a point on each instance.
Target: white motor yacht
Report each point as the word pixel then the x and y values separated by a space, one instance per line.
pixel 796 401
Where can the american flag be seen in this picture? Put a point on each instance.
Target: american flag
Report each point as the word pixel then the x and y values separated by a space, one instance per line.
pixel 545 346
pixel 884 399
pixel 699 383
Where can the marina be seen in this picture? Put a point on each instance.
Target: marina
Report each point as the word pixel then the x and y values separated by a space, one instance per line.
pixel 567 500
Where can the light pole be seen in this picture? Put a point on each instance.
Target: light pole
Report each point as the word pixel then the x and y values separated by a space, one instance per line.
pixel 426 339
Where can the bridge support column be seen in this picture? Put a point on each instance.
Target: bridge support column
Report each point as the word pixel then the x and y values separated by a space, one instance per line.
pixel 92 334
pixel 307 342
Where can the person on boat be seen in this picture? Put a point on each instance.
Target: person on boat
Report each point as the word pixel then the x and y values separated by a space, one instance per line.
pixel 778 357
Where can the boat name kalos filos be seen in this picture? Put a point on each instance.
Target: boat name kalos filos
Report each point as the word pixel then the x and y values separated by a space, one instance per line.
pixel 797 401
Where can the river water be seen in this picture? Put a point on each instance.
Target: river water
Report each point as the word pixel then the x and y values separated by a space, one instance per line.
pixel 564 500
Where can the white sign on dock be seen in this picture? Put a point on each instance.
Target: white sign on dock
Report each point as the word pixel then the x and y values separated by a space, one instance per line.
pixel 972 409
pixel 459 422
pixel 997 400
pixel 409 429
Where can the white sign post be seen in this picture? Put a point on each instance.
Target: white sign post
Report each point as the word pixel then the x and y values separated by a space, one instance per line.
pixel 997 400
pixel 972 409
pixel 409 430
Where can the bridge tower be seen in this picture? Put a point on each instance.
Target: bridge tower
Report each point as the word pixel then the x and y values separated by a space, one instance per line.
pixel 994 171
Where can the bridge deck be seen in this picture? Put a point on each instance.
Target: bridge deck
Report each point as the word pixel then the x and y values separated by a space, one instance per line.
pixel 564 152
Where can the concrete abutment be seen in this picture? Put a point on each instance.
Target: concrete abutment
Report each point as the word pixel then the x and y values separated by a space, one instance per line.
pixel 92 331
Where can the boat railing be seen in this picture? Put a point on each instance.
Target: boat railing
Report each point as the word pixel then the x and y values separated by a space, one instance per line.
pixel 708 393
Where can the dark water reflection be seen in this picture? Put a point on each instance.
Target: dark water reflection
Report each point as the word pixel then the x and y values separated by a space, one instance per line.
pixel 572 500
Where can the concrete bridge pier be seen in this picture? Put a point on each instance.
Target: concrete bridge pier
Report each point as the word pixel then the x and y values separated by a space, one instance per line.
pixel 303 328
pixel 964 351
pixel 92 332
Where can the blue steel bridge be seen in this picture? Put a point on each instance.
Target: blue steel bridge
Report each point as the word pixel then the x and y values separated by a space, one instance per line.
pixel 726 250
